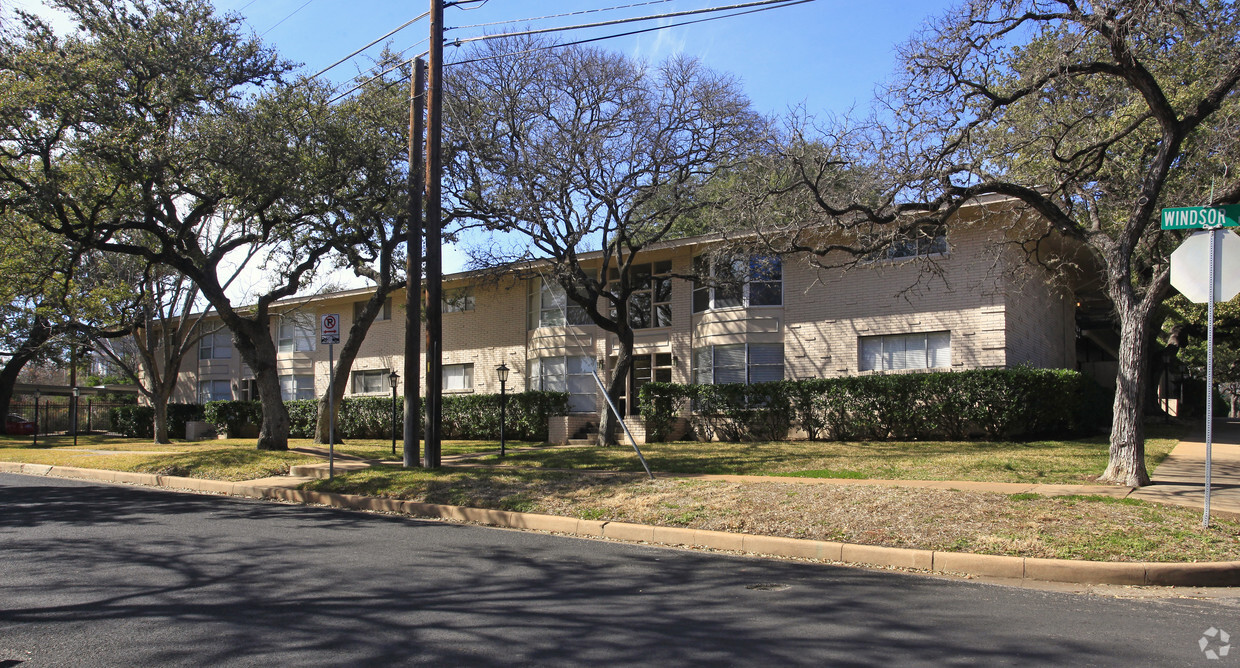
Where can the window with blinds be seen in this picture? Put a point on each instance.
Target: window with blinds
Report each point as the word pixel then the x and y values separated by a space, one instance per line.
pixel 895 352
pixel 739 363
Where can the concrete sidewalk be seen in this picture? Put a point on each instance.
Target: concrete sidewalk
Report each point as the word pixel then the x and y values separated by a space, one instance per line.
pixel 1180 478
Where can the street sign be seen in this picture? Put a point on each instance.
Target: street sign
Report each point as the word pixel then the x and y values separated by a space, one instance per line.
pixel 330 329
pixel 1201 217
pixel 1190 267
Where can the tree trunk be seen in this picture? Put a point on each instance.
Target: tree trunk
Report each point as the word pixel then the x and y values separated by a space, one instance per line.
pixel 1127 462
pixel 608 426
pixel 253 340
pixel 159 401
pixel 40 333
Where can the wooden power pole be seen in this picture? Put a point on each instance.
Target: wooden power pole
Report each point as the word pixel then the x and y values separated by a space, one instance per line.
pixel 434 253
pixel 413 261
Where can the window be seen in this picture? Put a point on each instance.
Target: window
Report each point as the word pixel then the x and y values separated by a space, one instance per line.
pixel 458 301
pixel 928 350
pixel 552 308
pixel 247 390
pixel 384 314
pixel 215 346
pixel 213 390
pixel 458 377
pixel 650 305
pixel 297 387
pixel 296 333
pixel 754 281
pixel 921 242
pixel 566 374
pixel 371 381
pixel 739 363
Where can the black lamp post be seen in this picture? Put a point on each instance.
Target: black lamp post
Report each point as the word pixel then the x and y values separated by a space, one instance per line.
pixel 393 378
pixel 76 393
pixel 502 372
pixel 36 417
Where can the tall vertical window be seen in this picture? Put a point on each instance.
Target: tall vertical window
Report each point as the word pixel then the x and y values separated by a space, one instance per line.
pixel 384 314
pixel 215 346
pixel 458 300
pixel 297 387
pixel 928 350
pixel 552 308
pixel 213 390
pixel 753 281
pixel 739 363
pixel 458 377
pixel 566 374
pixel 650 305
pixel 296 333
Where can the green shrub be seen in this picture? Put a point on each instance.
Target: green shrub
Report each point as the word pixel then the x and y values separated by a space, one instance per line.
pixel 303 416
pixel 232 416
pixel 139 421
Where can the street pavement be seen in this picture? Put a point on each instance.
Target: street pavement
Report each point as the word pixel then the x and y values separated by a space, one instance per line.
pixel 102 575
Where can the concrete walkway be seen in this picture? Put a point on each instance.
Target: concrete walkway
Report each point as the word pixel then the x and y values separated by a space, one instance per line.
pixel 1180 478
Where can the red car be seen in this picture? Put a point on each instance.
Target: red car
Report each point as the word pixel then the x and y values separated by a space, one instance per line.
pixel 16 425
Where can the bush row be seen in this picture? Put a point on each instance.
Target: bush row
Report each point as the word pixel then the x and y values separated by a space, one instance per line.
pixel 139 421
pixel 465 416
pixel 995 404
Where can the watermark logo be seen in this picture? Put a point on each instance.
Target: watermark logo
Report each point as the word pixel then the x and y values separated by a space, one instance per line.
pixel 1215 643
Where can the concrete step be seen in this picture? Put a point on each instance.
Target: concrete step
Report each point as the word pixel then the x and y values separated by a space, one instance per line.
pixel 320 471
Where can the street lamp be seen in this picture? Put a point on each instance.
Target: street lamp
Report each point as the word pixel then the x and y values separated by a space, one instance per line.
pixel 36 416
pixel 393 378
pixel 77 392
pixel 502 372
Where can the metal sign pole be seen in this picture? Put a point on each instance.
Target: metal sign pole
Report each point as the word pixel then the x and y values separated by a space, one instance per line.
pixel 331 411
pixel 1205 517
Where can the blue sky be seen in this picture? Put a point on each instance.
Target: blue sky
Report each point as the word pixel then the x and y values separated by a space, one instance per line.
pixel 827 55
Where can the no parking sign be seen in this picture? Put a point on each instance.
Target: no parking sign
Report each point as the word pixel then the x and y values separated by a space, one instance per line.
pixel 330 329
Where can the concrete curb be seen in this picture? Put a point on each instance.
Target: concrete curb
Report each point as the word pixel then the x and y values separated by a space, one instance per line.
pixel 1209 574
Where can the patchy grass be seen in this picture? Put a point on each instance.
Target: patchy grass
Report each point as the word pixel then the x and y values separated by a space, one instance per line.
pixel 1063 462
pixel 381 450
pixel 1073 527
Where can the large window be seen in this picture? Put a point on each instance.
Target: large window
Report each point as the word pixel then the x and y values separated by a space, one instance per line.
pixel 458 300
pixel 214 390
pixel 566 374
pixel 297 387
pixel 926 350
pixel 458 377
pixel 922 242
pixel 371 381
pixel 739 363
pixel 650 305
pixel 384 314
pixel 215 346
pixel 296 333
pixel 551 307
pixel 723 283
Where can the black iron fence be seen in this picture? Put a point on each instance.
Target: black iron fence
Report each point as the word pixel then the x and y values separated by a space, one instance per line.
pixel 55 417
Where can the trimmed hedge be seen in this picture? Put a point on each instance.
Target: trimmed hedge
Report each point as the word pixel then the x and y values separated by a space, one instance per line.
pixel 1019 403
pixel 139 421
pixel 465 416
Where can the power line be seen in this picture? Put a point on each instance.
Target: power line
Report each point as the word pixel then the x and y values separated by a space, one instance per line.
pixel 290 15
pixel 600 24
pixel 782 3
pixel 395 30
pixel 557 16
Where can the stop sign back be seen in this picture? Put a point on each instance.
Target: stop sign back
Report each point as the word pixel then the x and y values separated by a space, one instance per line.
pixel 1190 267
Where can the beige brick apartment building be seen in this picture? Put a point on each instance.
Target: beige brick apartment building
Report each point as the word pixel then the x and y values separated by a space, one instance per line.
pixel 980 308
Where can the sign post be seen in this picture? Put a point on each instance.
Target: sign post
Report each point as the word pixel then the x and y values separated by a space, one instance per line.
pixel 330 334
pixel 1219 281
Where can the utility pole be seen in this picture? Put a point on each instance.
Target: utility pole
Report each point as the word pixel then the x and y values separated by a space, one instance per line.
pixel 413 262
pixel 434 254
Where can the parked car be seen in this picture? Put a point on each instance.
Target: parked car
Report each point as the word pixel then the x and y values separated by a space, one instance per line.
pixel 17 425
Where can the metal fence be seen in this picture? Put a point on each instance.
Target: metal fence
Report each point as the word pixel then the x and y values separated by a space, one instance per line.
pixel 55 417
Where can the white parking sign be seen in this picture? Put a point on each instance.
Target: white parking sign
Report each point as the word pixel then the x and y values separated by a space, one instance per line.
pixel 331 329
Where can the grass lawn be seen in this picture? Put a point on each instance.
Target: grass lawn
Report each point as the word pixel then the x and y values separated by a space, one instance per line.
pixel 1067 462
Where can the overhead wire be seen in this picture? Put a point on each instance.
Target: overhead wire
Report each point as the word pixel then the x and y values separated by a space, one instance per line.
pixel 391 32
pixel 290 15
pixel 557 16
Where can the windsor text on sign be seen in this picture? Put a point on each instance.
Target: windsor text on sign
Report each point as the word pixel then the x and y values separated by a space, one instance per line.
pixel 1201 217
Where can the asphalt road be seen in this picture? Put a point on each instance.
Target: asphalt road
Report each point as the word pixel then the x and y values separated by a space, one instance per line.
pixel 99 575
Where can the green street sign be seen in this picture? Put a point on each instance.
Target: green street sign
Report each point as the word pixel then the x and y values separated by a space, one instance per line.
pixel 1201 217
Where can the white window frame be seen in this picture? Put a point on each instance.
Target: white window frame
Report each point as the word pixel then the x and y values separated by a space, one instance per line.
pixel 369 377
pixel 884 357
pixel 458 300
pixel 549 300
pixel 215 346
pixel 458 377
pixel 295 333
pixel 752 275
pixel 910 246
pixel 297 386
pixel 706 361
pixel 209 390
pixel 572 374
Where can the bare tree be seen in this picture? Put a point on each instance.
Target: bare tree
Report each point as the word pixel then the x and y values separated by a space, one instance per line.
pixel 1091 116
pixel 575 150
